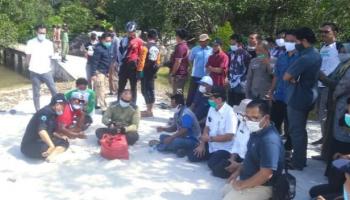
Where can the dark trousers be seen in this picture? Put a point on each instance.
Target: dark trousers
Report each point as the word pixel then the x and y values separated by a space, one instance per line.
pixel 37 148
pixel 127 72
pixel 47 78
pixel 235 97
pixel 217 161
pixel 131 137
pixel 192 90
pixel 279 116
pixel 297 120
pixel 147 89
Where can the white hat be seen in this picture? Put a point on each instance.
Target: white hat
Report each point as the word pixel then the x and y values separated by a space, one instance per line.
pixel 206 80
pixel 242 106
pixel 204 37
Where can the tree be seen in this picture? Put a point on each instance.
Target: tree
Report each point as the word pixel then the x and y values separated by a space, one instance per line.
pixel 78 18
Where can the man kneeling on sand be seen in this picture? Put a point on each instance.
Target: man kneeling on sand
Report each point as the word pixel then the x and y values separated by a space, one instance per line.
pixel 40 140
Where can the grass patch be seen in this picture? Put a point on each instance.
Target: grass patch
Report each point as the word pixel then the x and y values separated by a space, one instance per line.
pixel 11 80
pixel 163 82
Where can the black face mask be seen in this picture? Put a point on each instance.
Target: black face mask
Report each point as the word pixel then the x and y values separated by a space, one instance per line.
pixel 299 47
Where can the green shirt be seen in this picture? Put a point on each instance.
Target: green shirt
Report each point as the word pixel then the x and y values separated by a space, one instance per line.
pixel 128 117
pixel 89 97
pixel 65 37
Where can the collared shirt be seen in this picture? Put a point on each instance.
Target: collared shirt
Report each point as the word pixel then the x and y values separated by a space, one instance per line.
pixel 102 59
pixel 67 118
pixel 282 64
pixel 40 55
pixel 221 122
pixel 330 59
pixel 218 60
pixel 199 56
pixel 238 66
pixel 265 150
pixel 305 70
pixel 128 117
pixel 242 136
pixel 44 119
pixel 181 52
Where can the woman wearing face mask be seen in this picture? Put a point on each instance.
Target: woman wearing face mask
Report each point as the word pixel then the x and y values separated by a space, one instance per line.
pixel 239 60
pixel 121 118
pixel 259 76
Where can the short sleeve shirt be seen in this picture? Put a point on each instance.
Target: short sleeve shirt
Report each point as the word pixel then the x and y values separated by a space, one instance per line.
pixel 199 56
pixel 44 119
pixel 68 116
pixel 41 53
pixel 181 52
pixel 305 70
pixel 330 59
pixel 219 60
pixel 265 150
pixel 221 122
pixel 186 119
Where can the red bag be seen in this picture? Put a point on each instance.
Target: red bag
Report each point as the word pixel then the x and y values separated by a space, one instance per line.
pixel 114 147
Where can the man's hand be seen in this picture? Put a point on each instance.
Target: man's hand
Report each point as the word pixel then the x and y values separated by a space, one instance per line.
pixel 48 152
pixel 160 129
pixel 205 138
pixel 237 184
pixel 199 151
pixel 81 135
pixel 168 140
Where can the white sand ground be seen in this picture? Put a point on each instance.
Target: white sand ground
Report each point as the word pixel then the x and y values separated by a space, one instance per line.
pixel 81 174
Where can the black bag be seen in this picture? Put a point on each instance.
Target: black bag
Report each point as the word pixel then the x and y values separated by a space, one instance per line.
pixel 284 187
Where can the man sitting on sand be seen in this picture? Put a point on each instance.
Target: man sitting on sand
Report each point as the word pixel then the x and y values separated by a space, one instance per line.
pixel 40 141
pixel 121 117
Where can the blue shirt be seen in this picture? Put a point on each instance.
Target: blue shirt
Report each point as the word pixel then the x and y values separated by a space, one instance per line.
pixel 201 105
pixel 101 60
pixel 186 119
pixel 282 64
pixel 199 56
pixel 305 70
pixel 265 150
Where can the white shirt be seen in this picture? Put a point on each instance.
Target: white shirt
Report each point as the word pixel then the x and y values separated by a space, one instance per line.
pixel 221 122
pixel 330 59
pixel 41 53
pixel 241 139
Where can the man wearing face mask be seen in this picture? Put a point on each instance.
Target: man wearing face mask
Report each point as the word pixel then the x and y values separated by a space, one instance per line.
pixel 121 117
pixel 89 52
pixel 302 78
pixel 253 40
pixel 200 105
pixel 39 51
pixel 278 91
pixel 217 64
pixel 199 57
pixel 239 60
pixel 72 122
pixel 101 61
pixel 186 128
pixel 263 161
pixel 279 49
pixel 215 144
pixel 40 140
pixel 330 60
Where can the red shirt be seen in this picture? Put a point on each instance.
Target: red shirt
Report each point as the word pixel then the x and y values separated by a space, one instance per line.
pixel 181 52
pixel 220 60
pixel 135 47
pixel 68 115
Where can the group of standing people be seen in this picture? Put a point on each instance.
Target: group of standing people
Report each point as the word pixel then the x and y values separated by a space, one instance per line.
pixel 239 101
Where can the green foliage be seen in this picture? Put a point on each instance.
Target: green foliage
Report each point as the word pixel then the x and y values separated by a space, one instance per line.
pixel 223 32
pixel 78 18
pixel 8 31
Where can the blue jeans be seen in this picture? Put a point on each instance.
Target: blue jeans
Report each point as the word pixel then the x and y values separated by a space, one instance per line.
pixel 297 129
pixel 176 144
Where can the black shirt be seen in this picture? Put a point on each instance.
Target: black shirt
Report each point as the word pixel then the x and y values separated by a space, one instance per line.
pixel 101 60
pixel 44 119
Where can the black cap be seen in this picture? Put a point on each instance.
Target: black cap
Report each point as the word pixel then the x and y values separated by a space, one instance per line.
pixel 217 91
pixel 342 165
pixel 58 98
pixel 217 41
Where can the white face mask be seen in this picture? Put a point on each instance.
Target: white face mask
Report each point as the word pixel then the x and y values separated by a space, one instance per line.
pixel 202 89
pixel 253 126
pixel 123 103
pixel 280 42
pixel 76 107
pixel 59 113
pixel 176 109
pixel 290 46
pixel 233 47
pixel 41 37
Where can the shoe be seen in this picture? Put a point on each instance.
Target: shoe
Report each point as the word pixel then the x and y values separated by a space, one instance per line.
pixel 146 114
pixel 319 157
pixel 181 153
pixel 153 143
pixel 320 141
pixel 292 167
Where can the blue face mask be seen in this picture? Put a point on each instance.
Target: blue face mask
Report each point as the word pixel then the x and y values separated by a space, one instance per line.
pixel 347 119
pixel 107 44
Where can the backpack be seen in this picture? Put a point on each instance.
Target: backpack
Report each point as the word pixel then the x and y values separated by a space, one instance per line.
pixel 284 187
